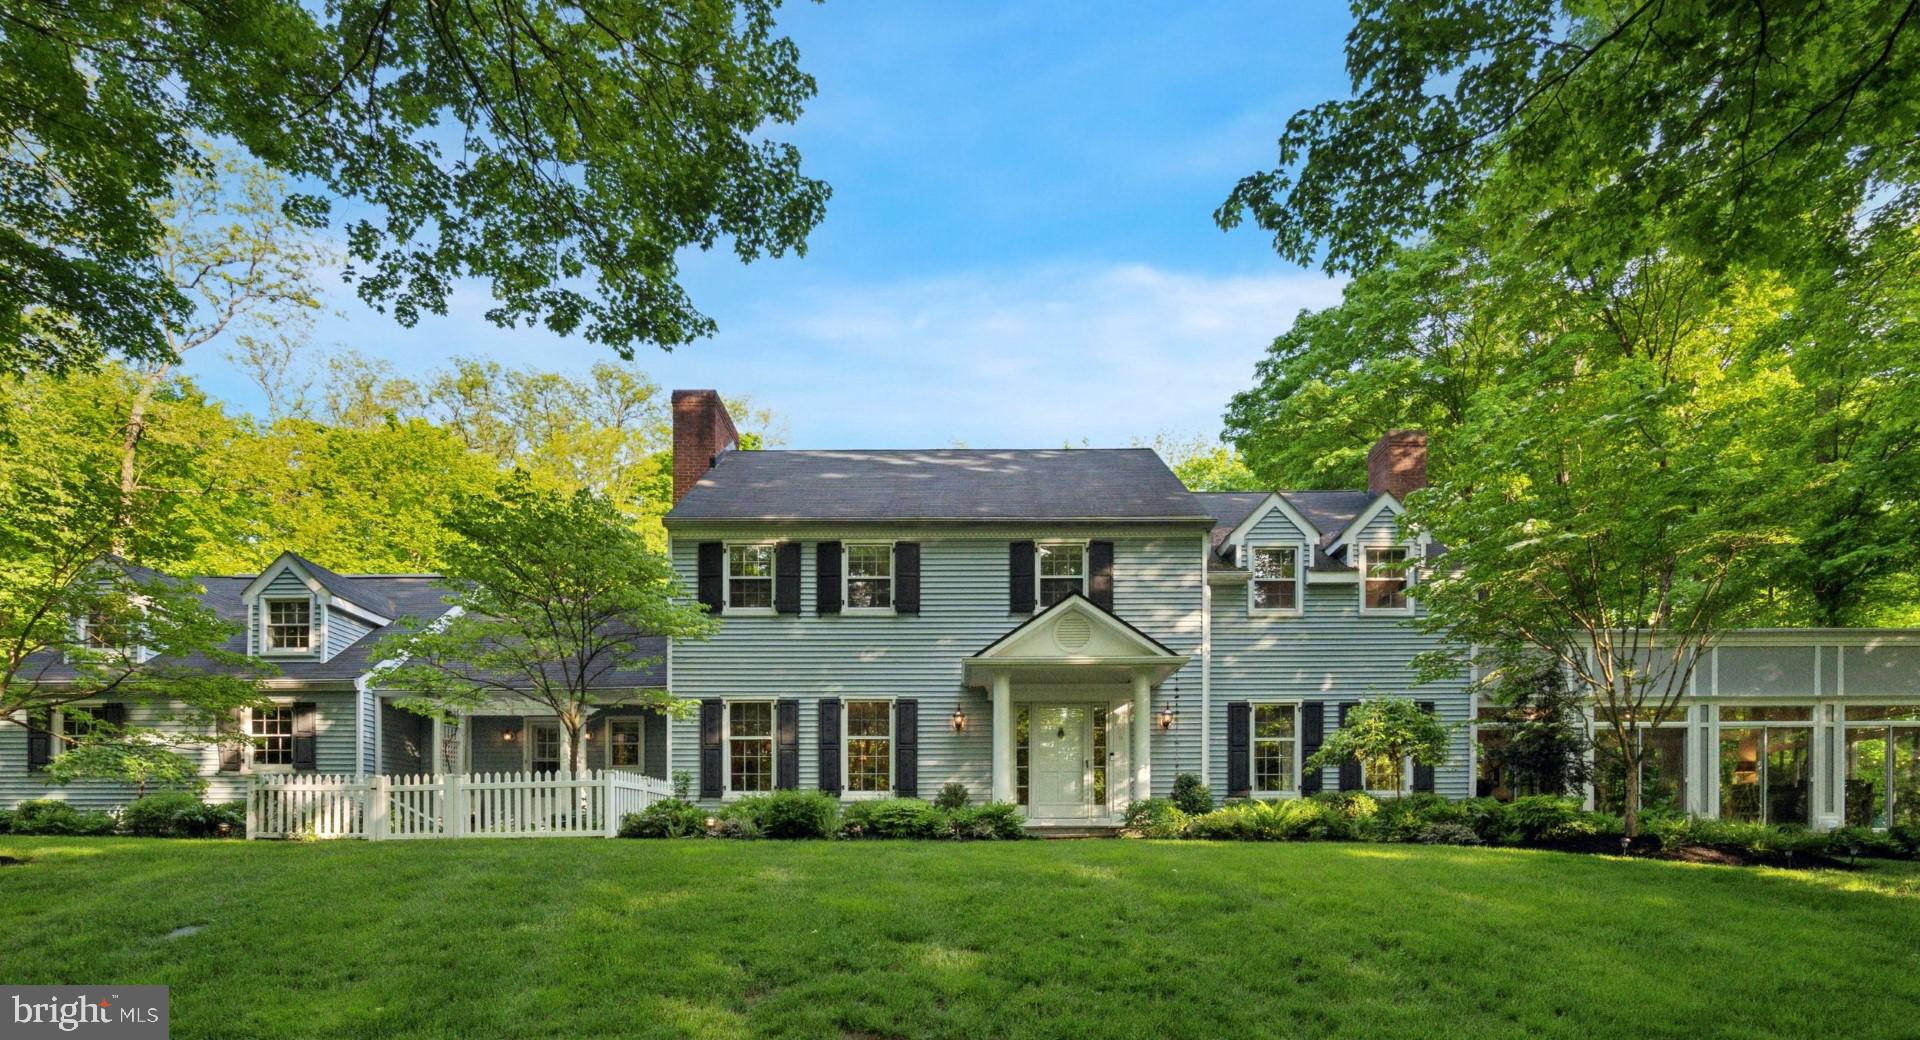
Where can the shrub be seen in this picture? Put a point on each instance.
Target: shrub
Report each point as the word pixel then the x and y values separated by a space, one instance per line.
pixel 1348 815
pixel 1864 841
pixel 1546 817
pixel 1156 818
pixel 1190 795
pixel 741 827
pixel 1405 818
pixel 6 820
pixel 160 815
pixel 1905 837
pixel 789 814
pixel 1447 834
pixel 682 785
pixel 49 816
pixel 1240 821
pixel 953 796
pixel 994 821
pixel 668 818
pixel 894 818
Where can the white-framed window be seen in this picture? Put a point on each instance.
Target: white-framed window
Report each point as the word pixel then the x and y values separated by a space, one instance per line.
pixel 72 727
pixel 624 742
pixel 1275 588
pixel 272 733
pixel 1384 776
pixel 544 746
pixel 867 747
pixel 750 577
pixel 749 746
pixel 1385 579
pixel 1061 570
pixel 1275 749
pixel 868 578
pixel 289 625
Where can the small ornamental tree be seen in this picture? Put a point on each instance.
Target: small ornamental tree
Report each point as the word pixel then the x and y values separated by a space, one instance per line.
pixel 1545 745
pixel 554 597
pixel 141 759
pixel 1387 731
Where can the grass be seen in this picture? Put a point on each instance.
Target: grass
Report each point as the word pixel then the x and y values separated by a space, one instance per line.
pixel 583 938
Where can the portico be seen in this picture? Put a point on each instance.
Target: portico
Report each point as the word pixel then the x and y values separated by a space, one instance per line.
pixel 1072 695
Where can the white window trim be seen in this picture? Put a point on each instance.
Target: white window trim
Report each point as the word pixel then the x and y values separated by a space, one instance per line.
pixel 247 764
pixel 727 793
pixel 527 724
pixel 1299 581
pixel 1413 556
pixel 1253 729
pixel 893 579
pixel 772 579
pixel 316 627
pixel 639 745
pixel 893 758
pixel 1038 547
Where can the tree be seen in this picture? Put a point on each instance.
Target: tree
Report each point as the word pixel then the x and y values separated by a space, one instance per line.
pixel 531 145
pixel 142 759
pixel 554 598
pixel 1385 733
pixel 1754 133
pixel 1203 464
pixel 241 264
pixel 78 619
pixel 1543 744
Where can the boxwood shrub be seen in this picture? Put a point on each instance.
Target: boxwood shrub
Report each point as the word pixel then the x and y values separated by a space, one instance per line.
pixel 181 814
pixel 51 816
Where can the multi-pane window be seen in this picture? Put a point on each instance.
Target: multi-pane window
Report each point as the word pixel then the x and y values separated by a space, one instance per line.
pixel 623 741
pixel 1382 774
pixel 1063 571
pixel 78 724
pixel 272 733
pixel 289 624
pixel 1766 764
pixel 1276 579
pixel 1386 587
pixel 750 746
pixel 749 577
pixel 869 577
pixel 544 748
pixel 1274 742
pixel 1022 727
pixel 1099 756
pixel 869 745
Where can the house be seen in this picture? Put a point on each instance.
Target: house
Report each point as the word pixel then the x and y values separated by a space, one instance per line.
pixel 318 630
pixel 1065 629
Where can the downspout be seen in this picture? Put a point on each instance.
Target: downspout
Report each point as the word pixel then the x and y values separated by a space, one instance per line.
pixel 1206 663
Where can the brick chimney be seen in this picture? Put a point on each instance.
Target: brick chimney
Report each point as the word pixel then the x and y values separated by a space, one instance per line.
pixel 1398 463
pixel 702 430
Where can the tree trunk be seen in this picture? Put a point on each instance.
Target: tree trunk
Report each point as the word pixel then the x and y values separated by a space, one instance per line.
pixel 1632 814
pixel 129 450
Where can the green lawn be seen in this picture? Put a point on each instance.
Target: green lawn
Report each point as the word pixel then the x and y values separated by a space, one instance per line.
pixel 580 938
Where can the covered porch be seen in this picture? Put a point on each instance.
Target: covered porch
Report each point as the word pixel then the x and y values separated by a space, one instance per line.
pixel 1071 692
pixel 516 737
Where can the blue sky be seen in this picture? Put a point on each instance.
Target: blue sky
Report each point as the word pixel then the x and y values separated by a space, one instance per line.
pixel 1019 250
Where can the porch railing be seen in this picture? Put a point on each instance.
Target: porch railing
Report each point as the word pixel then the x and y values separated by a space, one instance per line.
pixel 449 805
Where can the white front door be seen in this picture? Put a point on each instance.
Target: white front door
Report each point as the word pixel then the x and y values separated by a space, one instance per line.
pixel 1061 777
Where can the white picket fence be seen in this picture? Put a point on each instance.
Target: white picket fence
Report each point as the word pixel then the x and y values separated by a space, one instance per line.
pixel 451 805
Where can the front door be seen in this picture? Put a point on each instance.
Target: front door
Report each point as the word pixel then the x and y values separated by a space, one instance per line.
pixel 1062 767
pixel 544 748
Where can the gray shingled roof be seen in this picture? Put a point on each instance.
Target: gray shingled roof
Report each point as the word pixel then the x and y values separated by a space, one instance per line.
pixel 1330 511
pixel 940 484
pixel 398 596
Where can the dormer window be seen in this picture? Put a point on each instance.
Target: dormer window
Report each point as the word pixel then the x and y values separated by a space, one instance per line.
pixel 1386 578
pixel 1062 571
pixel 289 625
pixel 1276 578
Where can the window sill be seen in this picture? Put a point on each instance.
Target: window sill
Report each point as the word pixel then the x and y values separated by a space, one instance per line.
pixel 287 653
pixel 1386 612
pixel 870 612
pixel 865 796
pixel 1274 796
pixel 749 612
pixel 1276 612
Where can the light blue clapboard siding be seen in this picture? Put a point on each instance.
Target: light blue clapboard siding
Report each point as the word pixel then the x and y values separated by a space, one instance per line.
pixel 1157 588
pixel 343 631
pixel 333 753
pixel 405 740
pixel 1330 653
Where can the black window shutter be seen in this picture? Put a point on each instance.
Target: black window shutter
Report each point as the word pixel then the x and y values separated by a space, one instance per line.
pixel 114 715
pixel 786 578
pixel 234 752
pixel 1239 749
pixel 712 559
pixel 1313 727
pixel 826 577
pixel 906 748
pixel 830 745
pixel 1100 574
pixel 1423 775
pixel 906 578
pixel 786 764
pixel 710 764
pixel 1349 769
pixel 303 734
pixel 1020 577
pixel 39 740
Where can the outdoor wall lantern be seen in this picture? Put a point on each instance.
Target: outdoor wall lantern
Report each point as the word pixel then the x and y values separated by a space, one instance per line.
pixel 959 720
pixel 506 735
pixel 1167 716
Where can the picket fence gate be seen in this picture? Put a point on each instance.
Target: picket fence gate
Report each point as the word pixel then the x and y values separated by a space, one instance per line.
pixel 449 805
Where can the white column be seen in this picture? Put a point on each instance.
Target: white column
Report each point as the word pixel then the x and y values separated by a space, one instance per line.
pixel 1002 738
pixel 1142 736
pixel 436 749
